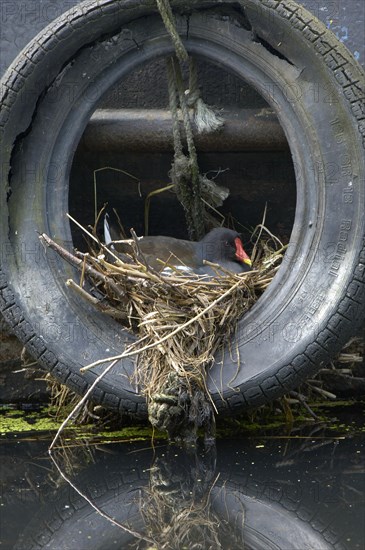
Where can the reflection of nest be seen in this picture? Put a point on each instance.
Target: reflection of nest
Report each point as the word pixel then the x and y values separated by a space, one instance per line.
pixel 181 322
pixel 193 526
pixel 178 512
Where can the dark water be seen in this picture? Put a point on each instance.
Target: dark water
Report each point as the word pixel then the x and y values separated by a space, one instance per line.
pixel 279 493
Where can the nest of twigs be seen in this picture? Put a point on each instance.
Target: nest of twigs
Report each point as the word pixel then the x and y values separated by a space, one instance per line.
pixel 180 321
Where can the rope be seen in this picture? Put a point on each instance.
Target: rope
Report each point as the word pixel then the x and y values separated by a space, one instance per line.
pixel 170 24
pixel 180 170
pixel 171 87
pixel 196 204
pixel 189 184
pixel 187 126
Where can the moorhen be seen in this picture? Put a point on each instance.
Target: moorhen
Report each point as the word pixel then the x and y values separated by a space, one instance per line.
pixel 220 246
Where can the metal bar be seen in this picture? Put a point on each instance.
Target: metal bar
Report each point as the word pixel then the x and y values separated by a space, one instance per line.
pixel 151 130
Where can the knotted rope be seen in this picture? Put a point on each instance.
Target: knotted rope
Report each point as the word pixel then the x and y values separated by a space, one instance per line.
pixel 190 186
pixel 206 120
pixel 185 170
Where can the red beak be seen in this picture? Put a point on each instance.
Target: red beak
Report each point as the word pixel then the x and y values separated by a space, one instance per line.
pixel 240 253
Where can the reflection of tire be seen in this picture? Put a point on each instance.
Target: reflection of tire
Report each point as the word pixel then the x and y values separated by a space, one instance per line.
pixel 315 87
pixel 257 511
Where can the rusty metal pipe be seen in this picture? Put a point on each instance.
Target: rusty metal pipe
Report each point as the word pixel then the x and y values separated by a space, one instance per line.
pixel 151 130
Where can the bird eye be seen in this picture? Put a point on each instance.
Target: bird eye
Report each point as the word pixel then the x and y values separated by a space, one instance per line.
pixel 227 243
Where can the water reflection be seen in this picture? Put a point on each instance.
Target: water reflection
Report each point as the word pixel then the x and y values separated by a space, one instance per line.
pixel 273 494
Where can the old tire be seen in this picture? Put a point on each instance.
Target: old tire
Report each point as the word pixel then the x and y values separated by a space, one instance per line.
pixel 317 90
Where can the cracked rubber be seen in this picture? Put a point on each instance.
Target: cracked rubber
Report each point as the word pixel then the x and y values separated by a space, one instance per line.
pixel 316 300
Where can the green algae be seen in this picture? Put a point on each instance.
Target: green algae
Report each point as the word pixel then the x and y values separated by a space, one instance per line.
pixel 276 423
pixel 14 421
pixel 44 421
pixel 20 423
pixel 17 421
pixel 135 433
